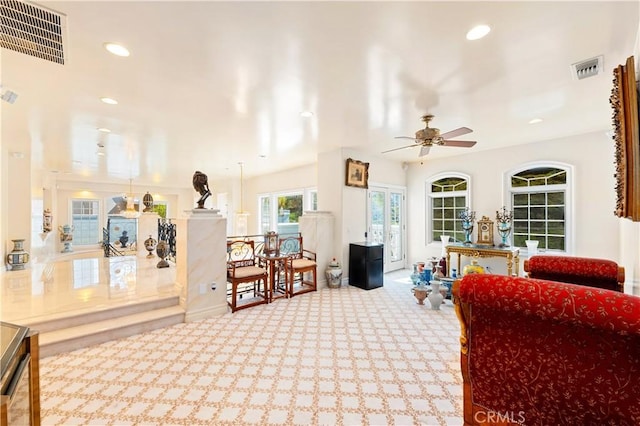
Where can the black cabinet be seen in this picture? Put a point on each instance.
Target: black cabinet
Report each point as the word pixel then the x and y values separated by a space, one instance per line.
pixel 366 264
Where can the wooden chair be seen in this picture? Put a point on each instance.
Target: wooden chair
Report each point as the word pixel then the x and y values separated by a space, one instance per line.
pixel 242 269
pixel 298 263
pixel 592 272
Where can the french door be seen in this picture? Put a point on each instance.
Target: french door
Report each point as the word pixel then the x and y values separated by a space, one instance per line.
pixel 386 223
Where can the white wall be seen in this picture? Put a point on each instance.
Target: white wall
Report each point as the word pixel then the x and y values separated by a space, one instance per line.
pixel 354 200
pixel 296 179
pixel 592 155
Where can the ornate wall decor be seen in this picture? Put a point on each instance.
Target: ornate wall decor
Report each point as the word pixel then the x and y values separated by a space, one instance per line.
pixel 624 101
pixel 485 231
pixel 357 174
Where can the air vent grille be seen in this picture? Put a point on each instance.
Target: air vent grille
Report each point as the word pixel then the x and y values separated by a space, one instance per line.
pixel 32 30
pixel 588 68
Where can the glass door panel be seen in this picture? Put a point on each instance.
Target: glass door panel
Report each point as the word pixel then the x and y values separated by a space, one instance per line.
pixel 386 224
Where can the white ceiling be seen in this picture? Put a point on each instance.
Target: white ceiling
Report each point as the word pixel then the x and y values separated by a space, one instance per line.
pixel 212 84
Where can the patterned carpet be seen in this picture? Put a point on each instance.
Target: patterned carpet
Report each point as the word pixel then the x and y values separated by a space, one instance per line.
pixel 334 357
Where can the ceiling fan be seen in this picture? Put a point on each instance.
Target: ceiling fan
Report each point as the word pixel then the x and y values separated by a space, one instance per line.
pixel 429 136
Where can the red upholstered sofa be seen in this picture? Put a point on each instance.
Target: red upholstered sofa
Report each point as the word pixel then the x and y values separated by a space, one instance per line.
pixel 539 352
pixel 599 273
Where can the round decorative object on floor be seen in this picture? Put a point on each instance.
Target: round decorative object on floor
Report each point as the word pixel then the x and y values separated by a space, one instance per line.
pixel 333 274
pixel 435 297
pixel 18 257
pixel 473 268
pixel 162 250
pixel 150 244
pixel 420 292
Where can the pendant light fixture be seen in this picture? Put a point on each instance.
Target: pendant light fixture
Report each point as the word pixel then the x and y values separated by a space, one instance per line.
pixel 130 212
pixel 242 217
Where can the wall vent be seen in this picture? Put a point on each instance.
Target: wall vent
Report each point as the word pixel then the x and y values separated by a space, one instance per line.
pixel 588 68
pixel 33 30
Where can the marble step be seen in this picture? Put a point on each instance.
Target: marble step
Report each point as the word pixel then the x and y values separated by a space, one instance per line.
pixel 93 314
pixel 92 333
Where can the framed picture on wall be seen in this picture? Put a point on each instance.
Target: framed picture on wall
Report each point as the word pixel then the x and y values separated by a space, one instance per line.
pixel 357 173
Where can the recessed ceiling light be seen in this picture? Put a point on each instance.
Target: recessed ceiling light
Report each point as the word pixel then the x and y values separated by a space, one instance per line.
pixel 104 130
pixel 117 49
pixel 306 114
pixel 109 101
pixel 535 121
pixel 262 155
pixel 478 32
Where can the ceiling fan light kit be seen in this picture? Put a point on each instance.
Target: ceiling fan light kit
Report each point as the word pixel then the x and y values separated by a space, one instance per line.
pixel 430 136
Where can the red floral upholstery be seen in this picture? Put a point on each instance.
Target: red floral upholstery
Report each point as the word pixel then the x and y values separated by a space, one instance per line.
pixel 599 273
pixel 548 353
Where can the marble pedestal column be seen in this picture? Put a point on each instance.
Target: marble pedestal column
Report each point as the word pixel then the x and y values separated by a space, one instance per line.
pixel 316 228
pixel 201 255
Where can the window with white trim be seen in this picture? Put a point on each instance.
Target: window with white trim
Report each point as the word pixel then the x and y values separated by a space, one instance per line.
pixel 85 219
pixel 448 195
pixel 280 212
pixel 539 201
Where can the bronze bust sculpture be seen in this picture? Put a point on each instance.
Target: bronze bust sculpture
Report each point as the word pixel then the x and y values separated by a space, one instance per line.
pixel 201 186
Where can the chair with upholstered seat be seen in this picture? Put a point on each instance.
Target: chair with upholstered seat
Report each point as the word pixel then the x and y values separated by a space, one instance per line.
pixel 300 266
pixel 245 277
pixel 592 272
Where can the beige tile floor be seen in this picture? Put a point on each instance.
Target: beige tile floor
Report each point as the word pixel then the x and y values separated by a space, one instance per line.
pixel 341 356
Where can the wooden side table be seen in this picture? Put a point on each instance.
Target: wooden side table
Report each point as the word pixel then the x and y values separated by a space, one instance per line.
pixel 275 264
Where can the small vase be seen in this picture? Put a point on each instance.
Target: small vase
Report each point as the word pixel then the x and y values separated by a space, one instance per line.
pixel 18 257
pixel 420 292
pixel 435 297
pixel 333 274
pixel 438 274
pixel 532 247
pixel 150 244
pixel 445 241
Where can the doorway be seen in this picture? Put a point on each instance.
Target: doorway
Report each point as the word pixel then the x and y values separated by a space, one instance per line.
pixel 386 223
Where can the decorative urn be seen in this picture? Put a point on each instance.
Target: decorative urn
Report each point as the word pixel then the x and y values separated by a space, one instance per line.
pixel 18 257
pixel 162 249
pixel 147 200
pixel 333 274
pixel 150 244
pixel 66 237
pixel 420 292
pixel 435 297
pixel 473 268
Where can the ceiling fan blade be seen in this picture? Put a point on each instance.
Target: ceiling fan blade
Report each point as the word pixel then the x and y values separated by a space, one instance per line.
pixel 405 137
pixel 464 144
pixel 424 150
pixel 402 147
pixel 457 132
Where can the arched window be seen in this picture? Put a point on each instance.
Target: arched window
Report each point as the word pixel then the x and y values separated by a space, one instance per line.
pixel 447 196
pixel 540 197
